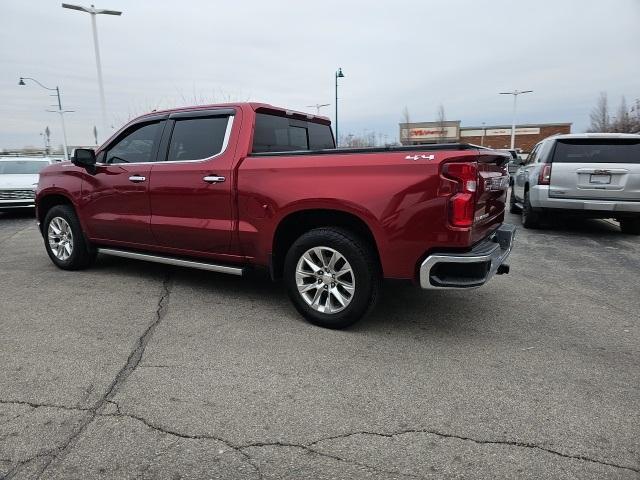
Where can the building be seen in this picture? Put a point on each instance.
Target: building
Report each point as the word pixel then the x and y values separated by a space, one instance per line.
pixel 493 136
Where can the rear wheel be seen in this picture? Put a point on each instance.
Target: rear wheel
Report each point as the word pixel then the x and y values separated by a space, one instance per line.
pixel 531 218
pixel 630 225
pixel 332 277
pixel 64 240
pixel 513 208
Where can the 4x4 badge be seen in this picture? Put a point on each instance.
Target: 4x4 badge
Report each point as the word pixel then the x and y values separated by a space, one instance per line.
pixel 420 157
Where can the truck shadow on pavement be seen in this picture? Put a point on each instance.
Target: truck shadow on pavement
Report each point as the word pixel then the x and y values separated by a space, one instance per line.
pixel 401 306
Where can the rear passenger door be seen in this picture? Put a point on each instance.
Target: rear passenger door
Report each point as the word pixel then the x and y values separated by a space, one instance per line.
pixel 523 173
pixel 190 188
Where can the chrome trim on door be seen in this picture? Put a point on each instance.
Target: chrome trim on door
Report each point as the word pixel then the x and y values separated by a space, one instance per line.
pixel 173 261
pixel 137 178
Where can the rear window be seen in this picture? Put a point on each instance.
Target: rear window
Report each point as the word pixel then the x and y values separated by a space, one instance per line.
pixel 21 167
pixel 597 151
pixel 282 134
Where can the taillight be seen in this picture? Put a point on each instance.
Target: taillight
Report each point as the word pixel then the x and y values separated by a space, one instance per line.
pixel 545 174
pixel 462 202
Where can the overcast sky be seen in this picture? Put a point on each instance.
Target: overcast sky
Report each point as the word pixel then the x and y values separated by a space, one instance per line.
pixel 459 53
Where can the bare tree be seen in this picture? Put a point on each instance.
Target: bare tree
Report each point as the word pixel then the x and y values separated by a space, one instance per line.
pixel 600 121
pixel 622 122
pixel 366 139
pixel 405 120
pixel 442 124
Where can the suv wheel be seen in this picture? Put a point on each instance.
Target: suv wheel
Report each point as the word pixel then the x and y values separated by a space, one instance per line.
pixel 630 225
pixel 513 208
pixel 531 218
pixel 63 238
pixel 332 277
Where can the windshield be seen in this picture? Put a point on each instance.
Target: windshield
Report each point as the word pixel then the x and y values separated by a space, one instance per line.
pixel 22 167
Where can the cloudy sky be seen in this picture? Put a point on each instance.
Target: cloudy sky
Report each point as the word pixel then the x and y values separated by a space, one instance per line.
pixel 459 53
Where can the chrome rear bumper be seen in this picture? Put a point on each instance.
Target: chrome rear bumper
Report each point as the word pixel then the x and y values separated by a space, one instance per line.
pixel 470 269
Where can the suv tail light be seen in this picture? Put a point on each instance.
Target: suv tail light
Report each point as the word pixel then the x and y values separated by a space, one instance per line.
pixel 463 201
pixel 545 174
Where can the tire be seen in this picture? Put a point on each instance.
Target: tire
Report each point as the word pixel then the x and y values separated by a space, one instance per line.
pixel 513 208
pixel 531 218
pixel 316 290
pixel 630 226
pixel 64 240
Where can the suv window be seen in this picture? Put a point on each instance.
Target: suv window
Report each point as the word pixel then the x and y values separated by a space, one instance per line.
pixel 597 150
pixel 197 138
pixel 137 146
pixel 533 155
pixel 281 134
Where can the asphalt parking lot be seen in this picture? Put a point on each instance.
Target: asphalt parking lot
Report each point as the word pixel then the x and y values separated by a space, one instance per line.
pixel 134 370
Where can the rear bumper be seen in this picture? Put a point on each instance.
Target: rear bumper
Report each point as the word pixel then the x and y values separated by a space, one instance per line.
pixel 539 198
pixel 470 269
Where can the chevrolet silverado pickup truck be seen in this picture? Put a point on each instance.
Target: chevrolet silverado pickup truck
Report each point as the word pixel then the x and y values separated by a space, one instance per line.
pixel 231 187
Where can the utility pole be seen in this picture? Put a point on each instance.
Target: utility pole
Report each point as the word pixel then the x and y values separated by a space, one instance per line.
pixel 339 74
pixel 515 94
pixel 60 111
pixel 93 12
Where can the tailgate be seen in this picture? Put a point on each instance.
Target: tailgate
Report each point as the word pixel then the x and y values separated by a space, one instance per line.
pixel 491 193
pixel 596 168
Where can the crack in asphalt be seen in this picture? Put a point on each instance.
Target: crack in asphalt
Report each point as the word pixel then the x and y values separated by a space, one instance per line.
pixel 310 446
pixel 132 362
pixel 481 442
pixel 175 433
pixel 41 405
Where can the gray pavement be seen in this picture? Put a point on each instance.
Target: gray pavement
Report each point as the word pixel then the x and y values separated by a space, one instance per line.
pixel 135 370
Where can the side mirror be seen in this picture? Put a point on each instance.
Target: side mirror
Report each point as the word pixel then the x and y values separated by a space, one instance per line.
pixel 85 158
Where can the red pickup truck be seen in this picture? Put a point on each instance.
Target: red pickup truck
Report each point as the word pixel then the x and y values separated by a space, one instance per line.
pixel 237 186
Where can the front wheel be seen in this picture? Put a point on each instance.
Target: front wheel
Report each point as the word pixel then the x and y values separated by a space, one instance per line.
pixel 64 240
pixel 332 277
pixel 630 225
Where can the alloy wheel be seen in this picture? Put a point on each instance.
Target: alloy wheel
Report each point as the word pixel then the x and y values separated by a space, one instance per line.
pixel 60 238
pixel 325 280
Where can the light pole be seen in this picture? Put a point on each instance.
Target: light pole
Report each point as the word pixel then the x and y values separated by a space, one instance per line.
pixel 59 111
pixel 515 94
pixel 93 12
pixel 318 106
pixel 339 74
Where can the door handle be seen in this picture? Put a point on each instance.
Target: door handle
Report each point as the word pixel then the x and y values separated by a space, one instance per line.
pixel 213 179
pixel 137 178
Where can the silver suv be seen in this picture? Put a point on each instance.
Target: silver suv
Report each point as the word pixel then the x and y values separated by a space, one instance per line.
pixel 595 175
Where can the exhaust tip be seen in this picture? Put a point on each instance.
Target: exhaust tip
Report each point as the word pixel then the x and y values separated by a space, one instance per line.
pixel 502 269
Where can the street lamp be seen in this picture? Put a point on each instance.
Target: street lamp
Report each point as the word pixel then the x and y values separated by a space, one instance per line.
pixel 515 94
pixel 59 111
pixel 339 74
pixel 318 106
pixel 93 12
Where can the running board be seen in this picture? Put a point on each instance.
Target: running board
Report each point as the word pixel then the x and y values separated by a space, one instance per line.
pixel 212 267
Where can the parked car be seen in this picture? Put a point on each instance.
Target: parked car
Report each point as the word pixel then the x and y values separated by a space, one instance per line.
pixel 18 181
pixel 231 187
pixel 595 175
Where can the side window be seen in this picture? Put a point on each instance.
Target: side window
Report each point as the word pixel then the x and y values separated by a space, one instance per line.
pixel 533 156
pixel 197 138
pixel 137 146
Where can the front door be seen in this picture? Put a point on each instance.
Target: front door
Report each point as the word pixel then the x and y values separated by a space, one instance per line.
pixel 190 190
pixel 116 198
